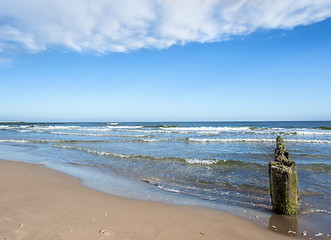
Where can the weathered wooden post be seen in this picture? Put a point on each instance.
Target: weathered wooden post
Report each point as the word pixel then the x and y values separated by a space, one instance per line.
pixel 283 181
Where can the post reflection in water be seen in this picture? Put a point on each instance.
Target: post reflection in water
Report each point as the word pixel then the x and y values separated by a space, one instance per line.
pixel 284 224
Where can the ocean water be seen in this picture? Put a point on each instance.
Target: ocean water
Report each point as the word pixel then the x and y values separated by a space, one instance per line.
pixel 214 163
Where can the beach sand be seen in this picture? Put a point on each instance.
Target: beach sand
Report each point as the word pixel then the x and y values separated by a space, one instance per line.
pixel 40 203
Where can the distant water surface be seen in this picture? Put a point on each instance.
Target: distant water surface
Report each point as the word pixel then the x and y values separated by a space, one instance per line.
pixel 219 162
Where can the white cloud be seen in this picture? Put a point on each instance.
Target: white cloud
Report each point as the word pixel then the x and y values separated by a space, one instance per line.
pixel 124 25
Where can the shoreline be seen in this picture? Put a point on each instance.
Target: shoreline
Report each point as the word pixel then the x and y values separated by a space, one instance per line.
pixel 41 203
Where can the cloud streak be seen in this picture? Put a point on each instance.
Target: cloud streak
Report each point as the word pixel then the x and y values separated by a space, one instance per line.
pixel 104 26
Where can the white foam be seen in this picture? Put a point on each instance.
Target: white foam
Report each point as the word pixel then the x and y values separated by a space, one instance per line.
pixel 119 155
pixel 98 135
pixel 168 189
pixel 87 129
pixel 229 140
pixel 201 161
pixel 81 134
pixel 321 210
pixel 94 129
pixel 315 132
pixel 114 123
pixel 14 141
pixel 209 129
pixel 157 131
pixel 308 141
pixel 124 127
pixel 45 128
pixel 100 153
pixel 80 128
pixel 151 140
pixel 81 149
pixel 38 141
pixel 24 126
pixel 207 133
pixel 25 131
pixel 291 131
pixel 37 131
pixel 29 141
pixel 206 140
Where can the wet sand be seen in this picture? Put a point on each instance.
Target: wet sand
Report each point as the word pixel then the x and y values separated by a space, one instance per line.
pixel 40 203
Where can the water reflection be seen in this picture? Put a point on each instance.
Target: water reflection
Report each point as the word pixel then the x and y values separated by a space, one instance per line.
pixel 284 225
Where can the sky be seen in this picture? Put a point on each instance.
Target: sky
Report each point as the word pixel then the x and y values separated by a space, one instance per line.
pixel 148 60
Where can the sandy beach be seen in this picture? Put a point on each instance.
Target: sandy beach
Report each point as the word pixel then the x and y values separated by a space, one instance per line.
pixel 39 203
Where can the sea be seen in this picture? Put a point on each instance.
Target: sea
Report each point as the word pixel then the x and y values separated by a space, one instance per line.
pixel 221 165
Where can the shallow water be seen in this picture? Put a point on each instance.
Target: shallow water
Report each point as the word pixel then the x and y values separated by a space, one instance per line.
pixel 222 163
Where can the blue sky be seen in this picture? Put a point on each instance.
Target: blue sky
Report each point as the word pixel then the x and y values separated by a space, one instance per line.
pixel 278 68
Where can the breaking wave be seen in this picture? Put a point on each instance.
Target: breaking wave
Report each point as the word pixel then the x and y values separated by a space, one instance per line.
pixel 152 140
pixel 142 157
pixel 209 129
pixel 320 211
pixel 124 127
pixel 48 141
pixel 208 140
pixel 230 140
pixel 99 135
pixel 112 123
pixel 193 161
pixel 159 129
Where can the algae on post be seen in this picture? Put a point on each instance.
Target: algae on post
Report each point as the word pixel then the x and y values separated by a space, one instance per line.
pixel 283 181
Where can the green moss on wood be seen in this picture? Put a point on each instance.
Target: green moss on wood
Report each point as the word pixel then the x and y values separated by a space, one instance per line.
pixel 283 181
pixel 280 143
